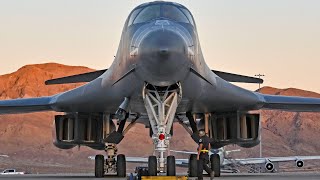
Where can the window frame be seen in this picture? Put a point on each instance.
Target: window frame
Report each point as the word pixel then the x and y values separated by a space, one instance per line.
pixel 143 8
pixel 175 6
pixel 134 18
pixel 191 19
pixel 161 16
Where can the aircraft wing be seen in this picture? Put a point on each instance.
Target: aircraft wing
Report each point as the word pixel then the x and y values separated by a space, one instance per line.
pixel 290 103
pixel 230 77
pixel 274 159
pixel 26 105
pixel 77 78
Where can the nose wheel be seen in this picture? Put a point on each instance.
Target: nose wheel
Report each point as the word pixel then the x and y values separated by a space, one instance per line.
pixel 152 166
pixel 171 166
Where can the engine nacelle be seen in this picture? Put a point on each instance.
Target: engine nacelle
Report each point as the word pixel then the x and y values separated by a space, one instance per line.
pixel 299 163
pixel 269 166
pixel 239 128
pixel 75 129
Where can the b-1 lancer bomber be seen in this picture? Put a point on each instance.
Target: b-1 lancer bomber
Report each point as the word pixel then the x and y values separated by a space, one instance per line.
pixel 159 76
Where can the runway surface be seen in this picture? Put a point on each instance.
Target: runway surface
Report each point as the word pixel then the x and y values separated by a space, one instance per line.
pixel 281 176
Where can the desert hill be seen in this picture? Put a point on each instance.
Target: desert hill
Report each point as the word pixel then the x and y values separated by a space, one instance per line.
pixel 28 81
pixel 27 138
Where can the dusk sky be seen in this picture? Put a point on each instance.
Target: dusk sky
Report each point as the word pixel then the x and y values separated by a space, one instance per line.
pixel 279 38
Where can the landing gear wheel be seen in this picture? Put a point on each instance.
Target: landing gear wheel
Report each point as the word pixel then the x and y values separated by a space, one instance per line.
pixel 193 166
pixel 121 166
pixel 215 164
pixel 99 166
pixel 171 166
pixel 152 165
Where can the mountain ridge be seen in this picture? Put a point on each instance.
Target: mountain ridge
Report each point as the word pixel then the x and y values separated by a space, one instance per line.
pixel 27 137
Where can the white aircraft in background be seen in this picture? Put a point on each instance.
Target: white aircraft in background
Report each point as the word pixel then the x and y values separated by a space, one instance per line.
pixel 225 160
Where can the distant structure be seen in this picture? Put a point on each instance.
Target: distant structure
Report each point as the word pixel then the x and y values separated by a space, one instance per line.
pixel 259 75
pixel 260 146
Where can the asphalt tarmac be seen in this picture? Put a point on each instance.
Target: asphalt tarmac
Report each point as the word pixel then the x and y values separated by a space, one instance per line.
pixel 240 176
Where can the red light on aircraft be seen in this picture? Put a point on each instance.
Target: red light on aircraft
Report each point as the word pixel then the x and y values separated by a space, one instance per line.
pixel 161 137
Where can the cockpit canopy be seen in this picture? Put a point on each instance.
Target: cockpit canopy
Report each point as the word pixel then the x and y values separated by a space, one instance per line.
pixel 151 11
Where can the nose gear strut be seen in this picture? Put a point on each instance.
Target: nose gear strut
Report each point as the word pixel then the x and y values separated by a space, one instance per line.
pixel 161 104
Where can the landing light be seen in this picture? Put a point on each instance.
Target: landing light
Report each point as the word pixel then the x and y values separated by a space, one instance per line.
pixel 162 137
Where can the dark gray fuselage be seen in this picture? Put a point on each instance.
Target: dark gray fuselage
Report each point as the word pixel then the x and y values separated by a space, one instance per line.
pixel 160 52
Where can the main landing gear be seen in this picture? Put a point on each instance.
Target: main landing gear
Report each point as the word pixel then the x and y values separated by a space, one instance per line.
pixel 161 104
pixel 113 164
pixel 214 162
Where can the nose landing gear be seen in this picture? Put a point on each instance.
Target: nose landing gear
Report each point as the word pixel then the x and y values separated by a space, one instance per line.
pixel 161 104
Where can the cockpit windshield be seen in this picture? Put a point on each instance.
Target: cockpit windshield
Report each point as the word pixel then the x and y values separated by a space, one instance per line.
pixel 160 11
pixel 173 13
pixel 147 14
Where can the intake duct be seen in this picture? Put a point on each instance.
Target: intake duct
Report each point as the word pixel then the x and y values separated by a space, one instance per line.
pixel 269 166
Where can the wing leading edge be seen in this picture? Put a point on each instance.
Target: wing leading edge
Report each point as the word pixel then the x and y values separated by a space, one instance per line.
pixel 78 78
pixel 26 105
pixel 230 77
pixel 275 159
pixel 290 103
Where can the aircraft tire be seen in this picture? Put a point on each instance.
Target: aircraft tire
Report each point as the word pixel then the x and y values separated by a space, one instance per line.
pixel 152 165
pixel 171 166
pixel 99 166
pixel 121 166
pixel 215 164
pixel 193 166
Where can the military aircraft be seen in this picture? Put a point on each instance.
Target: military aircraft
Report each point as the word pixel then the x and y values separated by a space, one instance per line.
pixel 227 163
pixel 158 77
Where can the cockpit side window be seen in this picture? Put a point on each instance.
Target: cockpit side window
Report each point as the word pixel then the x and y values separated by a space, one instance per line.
pixel 147 14
pixel 172 12
pixel 133 15
pixel 189 16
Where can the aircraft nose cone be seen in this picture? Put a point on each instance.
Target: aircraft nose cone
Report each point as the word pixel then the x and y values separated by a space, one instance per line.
pixel 163 52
